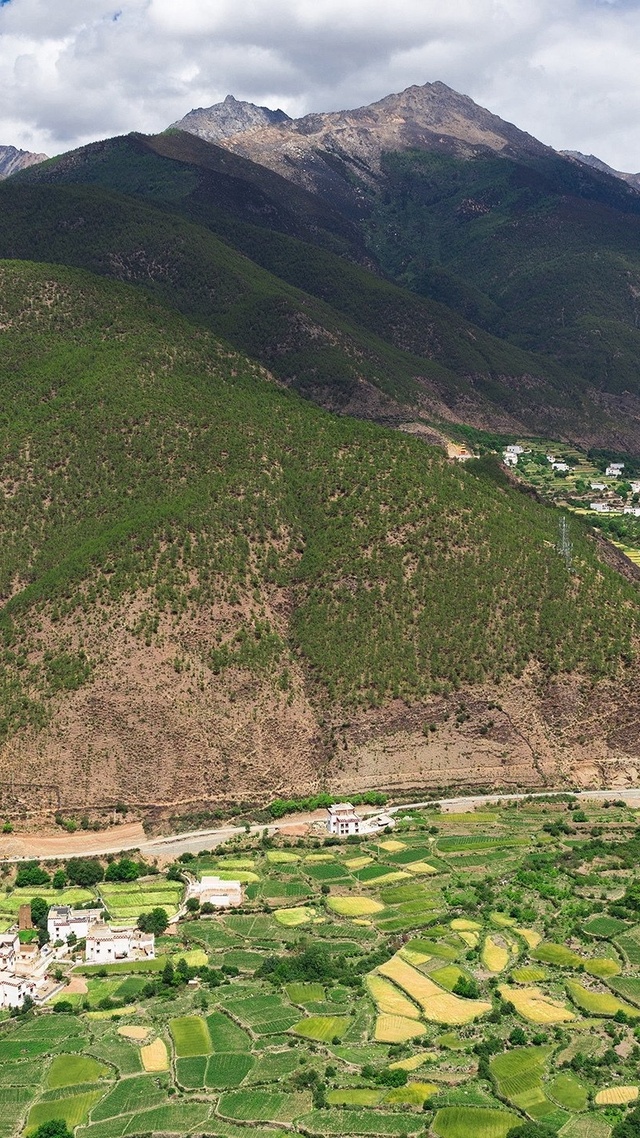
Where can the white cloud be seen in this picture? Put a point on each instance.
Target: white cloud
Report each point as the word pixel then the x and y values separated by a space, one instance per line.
pixel 75 70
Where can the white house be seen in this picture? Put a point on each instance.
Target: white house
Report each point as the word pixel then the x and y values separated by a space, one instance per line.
pixel 13 989
pixel 514 449
pixel 563 466
pixel 600 507
pixel 551 458
pixel 63 920
pixel 633 510
pixel 597 485
pixel 510 459
pixel 9 951
pixel 343 820
pixel 106 945
pixel 614 469
pixel 215 891
pixel 635 487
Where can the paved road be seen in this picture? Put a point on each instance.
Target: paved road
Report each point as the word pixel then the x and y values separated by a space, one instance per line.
pixel 196 840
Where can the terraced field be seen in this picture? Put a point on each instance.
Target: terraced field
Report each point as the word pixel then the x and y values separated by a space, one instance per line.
pixel 345 1000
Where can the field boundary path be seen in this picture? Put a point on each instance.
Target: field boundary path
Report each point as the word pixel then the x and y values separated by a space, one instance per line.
pixel 172 845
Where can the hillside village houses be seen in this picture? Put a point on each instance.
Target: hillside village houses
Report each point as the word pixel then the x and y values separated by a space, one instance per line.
pixel 614 469
pixel 343 820
pixel 216 891
pixel 62 921
pixel 106 945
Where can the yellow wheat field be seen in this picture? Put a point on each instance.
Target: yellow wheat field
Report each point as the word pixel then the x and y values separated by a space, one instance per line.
pixel 134 1032
pixel 494 956
pixel 530 936
pixel 358 862
pixel 154 1056
pixel 354 906
pixel 397 1029
pixel 437 1005
pixel 412 956
pixel 533 1005
pixel 471 939
pixel 392 846
pixel 616 1096
pixel 389 1000
pixel 413 1062
pixel 421 867
pixel 461 924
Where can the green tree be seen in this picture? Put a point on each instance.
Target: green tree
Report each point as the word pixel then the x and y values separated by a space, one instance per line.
pixel 56 1128
pixel 84 871
pixel 154 922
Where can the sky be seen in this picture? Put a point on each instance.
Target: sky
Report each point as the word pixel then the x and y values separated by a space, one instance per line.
pixel 72 71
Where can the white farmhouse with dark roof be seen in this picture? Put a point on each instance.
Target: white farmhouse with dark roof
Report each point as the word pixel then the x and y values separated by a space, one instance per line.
pixel 343 820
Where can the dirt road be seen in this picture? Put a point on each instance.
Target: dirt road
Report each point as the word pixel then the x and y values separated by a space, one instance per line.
pixel 20 847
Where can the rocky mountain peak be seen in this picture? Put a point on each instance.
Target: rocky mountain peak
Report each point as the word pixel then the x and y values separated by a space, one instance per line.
pixel 230 117
pixel 12 160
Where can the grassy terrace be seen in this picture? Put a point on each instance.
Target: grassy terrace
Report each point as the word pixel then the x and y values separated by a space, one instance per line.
pixel 465 1000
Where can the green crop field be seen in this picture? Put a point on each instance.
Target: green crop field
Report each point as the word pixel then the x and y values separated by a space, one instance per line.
pixel 336 1009
pixel 70 1070
pixel 463 1121
pixel 190 1036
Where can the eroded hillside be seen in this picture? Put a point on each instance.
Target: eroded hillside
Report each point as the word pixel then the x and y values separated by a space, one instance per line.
pixel 214 591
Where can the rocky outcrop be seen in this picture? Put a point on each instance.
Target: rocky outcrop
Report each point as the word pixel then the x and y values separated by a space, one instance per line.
pixel 228 118
pixel 325 152
pixel 12 160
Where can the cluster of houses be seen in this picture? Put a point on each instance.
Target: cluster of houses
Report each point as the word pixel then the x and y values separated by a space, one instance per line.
pixel 612 505
pixel 103 944
pixel 24 968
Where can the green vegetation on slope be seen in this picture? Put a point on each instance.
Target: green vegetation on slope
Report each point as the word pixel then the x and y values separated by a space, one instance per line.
pixel 142 457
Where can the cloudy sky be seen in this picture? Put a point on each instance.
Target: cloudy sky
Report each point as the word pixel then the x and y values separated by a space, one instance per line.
pixel 75 70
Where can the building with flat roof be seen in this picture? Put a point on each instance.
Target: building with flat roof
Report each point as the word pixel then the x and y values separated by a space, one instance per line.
pixel 343 820
pixel 106 945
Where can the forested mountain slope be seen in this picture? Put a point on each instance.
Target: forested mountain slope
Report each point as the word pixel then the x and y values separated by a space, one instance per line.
pixel 213 590
pixel 369 348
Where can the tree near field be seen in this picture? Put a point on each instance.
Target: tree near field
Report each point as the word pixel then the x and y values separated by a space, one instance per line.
pixel 55 1128
pixel 154 922
pixel 123 870
pixel 629 1127
pixel 39 914
pixel 84 871
pixel 31 874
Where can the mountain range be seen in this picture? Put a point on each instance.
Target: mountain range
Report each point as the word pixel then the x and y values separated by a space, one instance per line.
pixel 224 576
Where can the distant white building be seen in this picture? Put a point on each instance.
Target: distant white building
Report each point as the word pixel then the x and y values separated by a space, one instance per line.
pixel 614 469
pixel 343 820
pixel 551 458
pixel 13 989
pixel 633 510
pixel 600 507
pixel 510 459
pixel 514 449
pixel 215 891
pixel 597 486
pixel 63 920
pixel 562 466
pixel 635 487
pixel 106 945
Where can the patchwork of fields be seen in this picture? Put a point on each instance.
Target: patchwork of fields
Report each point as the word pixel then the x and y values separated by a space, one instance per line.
pixel 410 985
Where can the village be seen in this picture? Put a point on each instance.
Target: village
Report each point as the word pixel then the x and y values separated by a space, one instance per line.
pixel 33 973
pixel 570 479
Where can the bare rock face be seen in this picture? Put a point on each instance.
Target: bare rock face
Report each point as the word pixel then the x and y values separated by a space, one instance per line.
pixel 12 160
pixel 228 118
pixel 326 152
